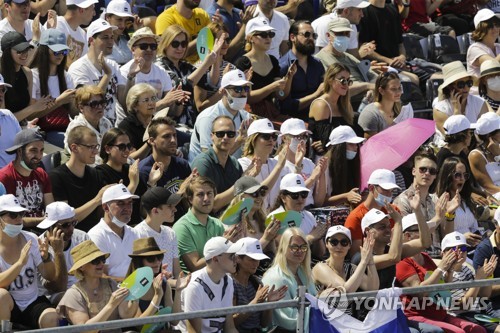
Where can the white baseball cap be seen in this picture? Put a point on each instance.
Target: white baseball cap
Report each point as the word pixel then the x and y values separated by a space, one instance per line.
pixel 263 125
pixel 373 216
pixel 352 3
pixel 56 211
pixel 293 182
pixel 234 78
pixel 409 221
pixel 453 239
pixel 341 134
pixel 496 217
pixel 117 192
pixel 383 178
pixel 119 8
pixel 456 124
pixel 251 247
pixel 81 3
pixel 258 24
pixel 487 123
pixel 219 245
pixel 9 203
pixel 338 229
pixel 294 126
pixel 483 15
pixel 2 82
pixel 98 26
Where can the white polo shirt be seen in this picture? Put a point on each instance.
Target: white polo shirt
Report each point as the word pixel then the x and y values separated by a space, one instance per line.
pixel 118 248
pixel 279 22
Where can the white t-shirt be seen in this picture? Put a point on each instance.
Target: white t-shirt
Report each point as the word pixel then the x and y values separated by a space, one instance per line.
pixel 165 239
pixel 75 39
pixel 475 51
pixel 308 220
pixel 204 294
pixel 465 220
pixel 320 26
pixel 118 248
pixel 24 289
pixel 28 29
pixel 307 170
pixel 279 22
pixel 84 72
pixel 53 82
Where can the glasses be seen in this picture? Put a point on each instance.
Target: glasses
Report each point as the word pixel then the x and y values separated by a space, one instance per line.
pixel 96 104
pixel 221 134
pixel 301 137
pixel 268 34
pixel 152 259
pixel 123 146
pixel 343 242
pixel 239 90
pixel 459 175
pixel 462 84
pixel 91 147
pixel 98 260
pixel 308 34
pixel 66 225
pixel 432 171
pixel 345 82
pixel 145 46
pixel 58 53
pixel 269 136
pixel 152 99
pixel 175 44
pixel 299 248
pixel 462 248
pixel 15 215
pixel 296 195
pixel 261 192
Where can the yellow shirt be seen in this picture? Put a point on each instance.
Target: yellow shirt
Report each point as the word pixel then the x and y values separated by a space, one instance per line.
pixel 193 25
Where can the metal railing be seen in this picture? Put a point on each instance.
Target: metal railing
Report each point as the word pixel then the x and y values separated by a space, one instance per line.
pixel 299 303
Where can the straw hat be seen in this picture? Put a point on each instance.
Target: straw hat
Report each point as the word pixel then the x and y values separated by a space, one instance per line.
pixel 452 72
pixel 488 67
pixel 84 253
pixel 145 247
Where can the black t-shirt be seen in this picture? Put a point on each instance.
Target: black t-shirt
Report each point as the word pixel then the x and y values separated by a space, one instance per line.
pixel 134 129
pixel 383 25
pixel 18 97
pixel 260 81
pixel 77 191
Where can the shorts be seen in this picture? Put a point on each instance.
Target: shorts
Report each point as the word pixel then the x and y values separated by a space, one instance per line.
pixel 30 315
pixel 427 29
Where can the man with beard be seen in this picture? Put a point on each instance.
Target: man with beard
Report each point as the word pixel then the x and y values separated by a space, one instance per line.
pixel 60 220
pixel 186 14
pixel 95 69
pixel 307 83
pixel 25 179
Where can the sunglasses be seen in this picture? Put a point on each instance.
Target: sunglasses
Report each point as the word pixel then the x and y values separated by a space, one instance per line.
pixel 152 259
pixel 221 134
pixel 227 40
pixel 145 46
pixel 239 90
pixel 269 136
pixel 123 146
pixel 15 215
pixel 462 248
pixel 296 195
pixel 462 84
pixel 96 104
pixel 296 248
pixel 308 34
pixel 3 90
pixel 261 192
pixel 98 260
pixel 269 34
pixel 343 242
pixel 175 44
pixel 459 175
pixel 66 225
pixel 58 53
pixel 432 171
pixel 91 147
pixel 345 82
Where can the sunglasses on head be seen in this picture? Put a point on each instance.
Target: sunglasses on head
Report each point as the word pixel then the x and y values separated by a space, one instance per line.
pixel 145 46
pixel 462 248
pixel 123 146
pixel 308 34
pixel 344 242
pixel 296 248
pixel 15 215
pixel 98 260
pixel 459 175
pixel 66 225
pixel 462 84
pixel 269 136
pixel 296 195
pixel 345 82
pixel 175 44
pixel 152 259
pixel 58 53
pixel 260 192
pixel 266 34
pixel 221 134
pixel 432 171
pixel 96 104
pixel 239 90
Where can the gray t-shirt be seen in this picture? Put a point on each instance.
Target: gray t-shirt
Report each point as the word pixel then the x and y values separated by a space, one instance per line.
pixel 371 119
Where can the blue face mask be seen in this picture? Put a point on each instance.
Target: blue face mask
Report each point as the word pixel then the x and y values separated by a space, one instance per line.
pixel 382 199
pixel 340 43
pixel 12 230
pixel 350 155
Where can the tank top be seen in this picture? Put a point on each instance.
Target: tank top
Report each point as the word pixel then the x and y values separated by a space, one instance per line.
pixel 492 168
pixel 18 97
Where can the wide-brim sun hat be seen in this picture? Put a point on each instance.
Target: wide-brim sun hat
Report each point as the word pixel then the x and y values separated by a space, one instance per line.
pixel 83 254
pixel 145 247
pixel 452 72
pixel 489 67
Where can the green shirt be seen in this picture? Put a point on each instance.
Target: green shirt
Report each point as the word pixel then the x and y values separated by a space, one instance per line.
pixel 192 235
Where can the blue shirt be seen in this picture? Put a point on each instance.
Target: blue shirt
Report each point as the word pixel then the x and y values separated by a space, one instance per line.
pixel 303 84
pixel 173 175
pixel 230 19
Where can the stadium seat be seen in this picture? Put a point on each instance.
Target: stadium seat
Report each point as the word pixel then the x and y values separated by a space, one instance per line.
pixel 444 49
pixel 413 46
pixel 464 41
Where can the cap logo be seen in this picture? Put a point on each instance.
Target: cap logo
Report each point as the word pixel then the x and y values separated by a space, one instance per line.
pixel 298 181
pixel 227 241
pixel 124 189
pixel 240 75
pixel 291 224
pixel 46 214
pixel 103 23
pixel 457 237
pixel 257 246
pixel 16 201
pixel 378 212
pixel 269 125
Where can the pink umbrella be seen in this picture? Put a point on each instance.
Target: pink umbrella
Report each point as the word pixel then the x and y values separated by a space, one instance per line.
pixel 393 146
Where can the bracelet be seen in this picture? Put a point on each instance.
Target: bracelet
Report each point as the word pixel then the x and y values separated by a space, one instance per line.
pixel 450 216
pixel 156 306
pixel 443 272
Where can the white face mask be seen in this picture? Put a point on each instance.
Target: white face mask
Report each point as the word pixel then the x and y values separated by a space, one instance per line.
pixel 494 83
pixel 236 103
pixel 12 230
pixel 115 220
pixel 350 155
pixel 382 199
pixel 294 144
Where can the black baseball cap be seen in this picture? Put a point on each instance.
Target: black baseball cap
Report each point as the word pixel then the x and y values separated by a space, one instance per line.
pixel 14 40
pixel 157 196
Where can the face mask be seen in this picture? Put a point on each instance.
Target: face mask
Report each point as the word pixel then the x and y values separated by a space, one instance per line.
pixel 12 230
pixel 350 155
pixel 294 143
pixel 382 199
pixel 340 43
pixel 115 220
pixel 25 166
pixel 494 83
pixel 497 158
pixel 236 103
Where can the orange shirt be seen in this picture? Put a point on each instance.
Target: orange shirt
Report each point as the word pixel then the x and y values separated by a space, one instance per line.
pixel 353 221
